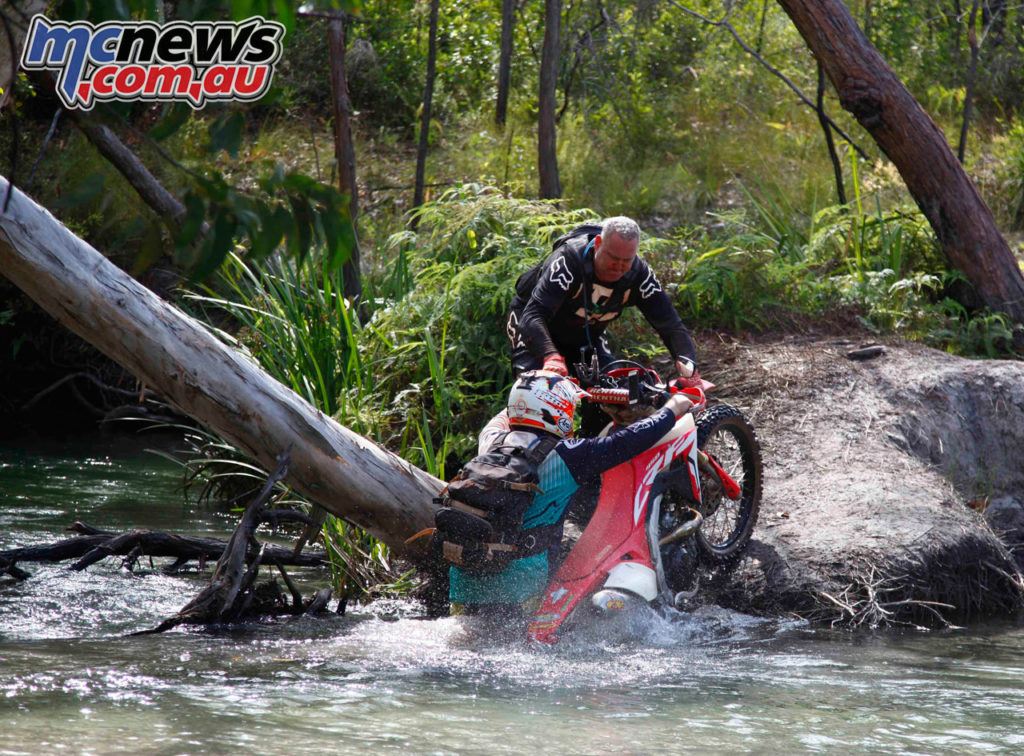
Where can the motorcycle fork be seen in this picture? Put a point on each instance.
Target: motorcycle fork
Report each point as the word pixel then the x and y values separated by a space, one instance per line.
pixel 653 546
pixel 709 467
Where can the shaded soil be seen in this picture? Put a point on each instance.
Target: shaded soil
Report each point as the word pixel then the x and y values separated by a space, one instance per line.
pixel 894 486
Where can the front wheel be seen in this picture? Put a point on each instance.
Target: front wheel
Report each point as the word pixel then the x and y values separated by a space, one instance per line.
pixel 724 433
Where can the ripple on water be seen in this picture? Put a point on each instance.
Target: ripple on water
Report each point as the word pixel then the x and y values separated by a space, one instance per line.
pixel 382 679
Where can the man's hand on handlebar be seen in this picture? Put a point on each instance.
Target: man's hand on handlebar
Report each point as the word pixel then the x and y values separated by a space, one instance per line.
pixel 688 375
pixel 556 364
pixel 685 367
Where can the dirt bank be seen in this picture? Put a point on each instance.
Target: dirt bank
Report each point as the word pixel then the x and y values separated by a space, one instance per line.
pixel 879 475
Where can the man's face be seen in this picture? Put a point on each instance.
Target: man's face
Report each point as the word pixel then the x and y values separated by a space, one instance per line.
pixel 613 257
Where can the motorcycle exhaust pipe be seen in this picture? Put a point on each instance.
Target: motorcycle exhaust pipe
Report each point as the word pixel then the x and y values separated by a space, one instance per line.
pixel 687 528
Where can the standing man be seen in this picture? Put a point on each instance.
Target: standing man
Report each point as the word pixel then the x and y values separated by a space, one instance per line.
pixel 567 301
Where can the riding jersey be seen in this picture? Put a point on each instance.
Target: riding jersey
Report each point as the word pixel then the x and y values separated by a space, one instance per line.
pixel 573 462
pixel 561 305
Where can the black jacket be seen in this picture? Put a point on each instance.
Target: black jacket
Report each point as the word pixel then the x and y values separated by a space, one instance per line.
pixel 548 313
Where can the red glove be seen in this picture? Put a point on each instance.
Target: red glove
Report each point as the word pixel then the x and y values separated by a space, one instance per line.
pixel 555 364
pixel 694 381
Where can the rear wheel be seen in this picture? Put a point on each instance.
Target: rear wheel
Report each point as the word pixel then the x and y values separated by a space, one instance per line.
pixel 724 434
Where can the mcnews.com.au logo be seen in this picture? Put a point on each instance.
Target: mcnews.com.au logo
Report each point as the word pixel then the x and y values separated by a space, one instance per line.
pixel 193 61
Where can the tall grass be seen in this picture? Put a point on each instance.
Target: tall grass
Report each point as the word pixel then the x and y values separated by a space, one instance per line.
pixel 293 319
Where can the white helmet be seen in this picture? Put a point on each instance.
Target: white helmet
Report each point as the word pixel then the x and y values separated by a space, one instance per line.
pixel 544 400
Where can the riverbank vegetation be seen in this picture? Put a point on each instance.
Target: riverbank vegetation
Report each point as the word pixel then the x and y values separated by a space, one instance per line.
pixel 687 119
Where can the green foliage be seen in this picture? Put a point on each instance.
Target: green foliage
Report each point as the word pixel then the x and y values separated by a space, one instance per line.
pixel 1007 193
pixel 214 471
pixel 95 201
pixel 290 315
pixel 361 564
pixel 295 323
pixel 985 333
pixel 292 208
pixel 737 276
pixel 442 343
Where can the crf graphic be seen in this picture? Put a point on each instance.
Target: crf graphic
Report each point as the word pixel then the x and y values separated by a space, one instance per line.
pixel 139 60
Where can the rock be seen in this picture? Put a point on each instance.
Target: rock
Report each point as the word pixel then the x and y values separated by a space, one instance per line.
pixel 875 462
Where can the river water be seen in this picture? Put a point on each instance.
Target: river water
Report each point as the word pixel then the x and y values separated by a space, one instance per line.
pixel 381 679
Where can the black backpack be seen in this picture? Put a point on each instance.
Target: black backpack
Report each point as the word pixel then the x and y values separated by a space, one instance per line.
pixel 528 280
pixel 479 523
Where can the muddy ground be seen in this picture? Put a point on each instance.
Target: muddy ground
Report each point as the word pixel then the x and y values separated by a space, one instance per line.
pixel 894 485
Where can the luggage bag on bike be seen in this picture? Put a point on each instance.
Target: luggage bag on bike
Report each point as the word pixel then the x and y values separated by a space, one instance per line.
pixel 479 522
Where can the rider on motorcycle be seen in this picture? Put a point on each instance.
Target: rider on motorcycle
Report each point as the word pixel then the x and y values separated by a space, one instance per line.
pixel 567 301
pixel 544 403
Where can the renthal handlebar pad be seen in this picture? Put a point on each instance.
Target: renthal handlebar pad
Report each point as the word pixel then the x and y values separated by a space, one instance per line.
pixel 644 394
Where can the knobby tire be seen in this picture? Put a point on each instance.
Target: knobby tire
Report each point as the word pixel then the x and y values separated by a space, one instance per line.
pixel 726 434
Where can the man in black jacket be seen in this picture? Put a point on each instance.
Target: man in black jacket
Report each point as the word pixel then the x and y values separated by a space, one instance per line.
pixel 567 301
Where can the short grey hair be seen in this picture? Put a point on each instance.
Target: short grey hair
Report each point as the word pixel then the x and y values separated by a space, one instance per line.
pixel 625 228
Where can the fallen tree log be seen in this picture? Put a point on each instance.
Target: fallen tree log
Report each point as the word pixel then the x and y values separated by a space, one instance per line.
pixel 345 473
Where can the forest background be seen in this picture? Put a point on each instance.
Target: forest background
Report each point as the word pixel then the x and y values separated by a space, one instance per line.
pixel 696 118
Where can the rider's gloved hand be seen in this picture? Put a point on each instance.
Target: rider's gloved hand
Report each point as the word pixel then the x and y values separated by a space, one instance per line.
pixel 555 364
pixel 688 375
pixel 679 404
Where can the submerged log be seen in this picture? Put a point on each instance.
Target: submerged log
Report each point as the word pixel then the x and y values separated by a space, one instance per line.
pixel 94 545
pixel 345 473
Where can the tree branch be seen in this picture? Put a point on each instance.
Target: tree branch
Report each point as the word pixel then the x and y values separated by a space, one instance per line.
pixel 750 51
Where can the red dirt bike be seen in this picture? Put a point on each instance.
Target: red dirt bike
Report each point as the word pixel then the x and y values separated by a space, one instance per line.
pixel 691 499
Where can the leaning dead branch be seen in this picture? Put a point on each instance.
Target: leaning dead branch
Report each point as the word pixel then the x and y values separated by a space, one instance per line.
pixel 232 593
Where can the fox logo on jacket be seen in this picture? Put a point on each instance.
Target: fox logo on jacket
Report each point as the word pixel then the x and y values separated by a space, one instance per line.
pixel 650 286
pixel 561 274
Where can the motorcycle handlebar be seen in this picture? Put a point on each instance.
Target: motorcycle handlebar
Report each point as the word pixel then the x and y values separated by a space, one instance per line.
pixel 653 394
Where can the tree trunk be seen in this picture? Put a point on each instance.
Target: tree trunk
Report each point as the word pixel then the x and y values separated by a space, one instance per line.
pixel 344 148
pixel 152 192
pixel 348 475
pixel 14 20
pixel 870 90
pixel 508 25
pixel 972 70
pixel 547 155
pixel 428 98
